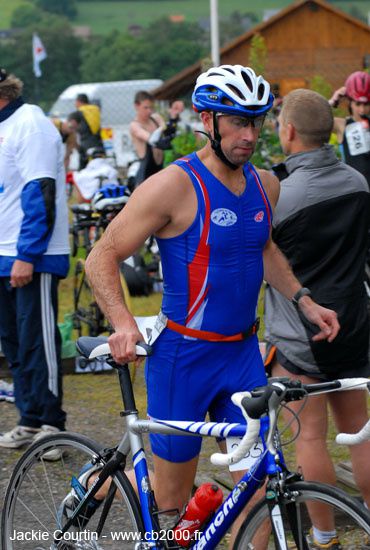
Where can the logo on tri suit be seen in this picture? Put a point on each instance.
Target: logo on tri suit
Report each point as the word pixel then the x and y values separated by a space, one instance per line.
pixel 224 217
pixel 259 216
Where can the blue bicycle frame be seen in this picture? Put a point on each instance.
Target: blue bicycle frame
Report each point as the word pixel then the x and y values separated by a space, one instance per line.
pixel 231 508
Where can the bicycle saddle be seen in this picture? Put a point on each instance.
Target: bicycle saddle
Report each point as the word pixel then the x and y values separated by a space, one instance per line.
pixel 88 347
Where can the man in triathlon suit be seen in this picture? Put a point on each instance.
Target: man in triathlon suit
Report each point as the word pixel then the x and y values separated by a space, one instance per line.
pixel 211 214
pixel 145 132
pixel 320 224
pixel 353 132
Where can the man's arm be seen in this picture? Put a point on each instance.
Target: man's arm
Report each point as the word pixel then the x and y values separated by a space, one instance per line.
pixel 149 209
pixel 36 154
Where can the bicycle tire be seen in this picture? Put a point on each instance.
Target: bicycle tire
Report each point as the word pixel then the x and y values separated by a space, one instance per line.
pixel 88 318
pixel 37 487
pixel 351 518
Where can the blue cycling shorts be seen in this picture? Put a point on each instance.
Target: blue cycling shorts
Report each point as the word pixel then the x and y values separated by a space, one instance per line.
pixel 186 379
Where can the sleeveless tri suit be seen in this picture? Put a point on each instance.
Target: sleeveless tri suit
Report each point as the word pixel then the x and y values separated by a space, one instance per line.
pixel 212 276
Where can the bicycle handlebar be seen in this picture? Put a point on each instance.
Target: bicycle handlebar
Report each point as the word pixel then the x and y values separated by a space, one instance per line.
pixel 250 437
pixel 267 399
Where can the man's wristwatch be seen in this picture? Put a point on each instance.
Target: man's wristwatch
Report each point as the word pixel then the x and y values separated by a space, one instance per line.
pixel 301 292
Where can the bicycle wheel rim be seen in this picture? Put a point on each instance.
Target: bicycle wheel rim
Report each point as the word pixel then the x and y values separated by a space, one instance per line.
pixel 36 491
pixel 352 521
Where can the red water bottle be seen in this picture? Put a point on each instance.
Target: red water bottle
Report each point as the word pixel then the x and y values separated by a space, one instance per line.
pixel 207 498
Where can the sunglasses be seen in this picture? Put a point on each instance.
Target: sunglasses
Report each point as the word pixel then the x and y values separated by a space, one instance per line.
pixel 244 121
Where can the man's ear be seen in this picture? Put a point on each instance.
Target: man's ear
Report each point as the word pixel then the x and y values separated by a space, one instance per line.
pixel 207 120
pixel 291 132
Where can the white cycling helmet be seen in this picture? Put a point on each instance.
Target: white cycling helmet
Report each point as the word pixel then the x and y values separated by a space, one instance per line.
pixel 232 89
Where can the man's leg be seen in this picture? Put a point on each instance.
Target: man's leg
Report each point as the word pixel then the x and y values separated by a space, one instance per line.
pixel 311 450
pixel 39 352
pixel 9 336
pixel 350 415
pixel 173 482
pixel 261 539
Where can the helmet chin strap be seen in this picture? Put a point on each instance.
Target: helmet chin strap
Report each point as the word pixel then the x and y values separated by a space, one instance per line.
pixel 216 144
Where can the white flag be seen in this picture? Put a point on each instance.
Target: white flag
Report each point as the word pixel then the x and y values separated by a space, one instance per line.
pixel 39 54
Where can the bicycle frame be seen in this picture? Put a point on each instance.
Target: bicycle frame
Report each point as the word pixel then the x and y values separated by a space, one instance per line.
pixel 240 495
pixel 270 464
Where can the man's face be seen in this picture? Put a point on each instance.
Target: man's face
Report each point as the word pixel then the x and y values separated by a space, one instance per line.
pixel 239 136
pixel 359 109
pixel 144 109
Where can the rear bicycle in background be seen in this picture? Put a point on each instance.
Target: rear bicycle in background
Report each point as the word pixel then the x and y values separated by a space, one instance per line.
pixel 89 222
pixel 48 496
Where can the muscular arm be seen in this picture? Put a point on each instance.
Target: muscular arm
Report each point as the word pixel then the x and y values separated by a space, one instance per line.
pixel 151 208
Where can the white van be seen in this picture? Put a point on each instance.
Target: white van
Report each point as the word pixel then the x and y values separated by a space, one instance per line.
pixel 116 100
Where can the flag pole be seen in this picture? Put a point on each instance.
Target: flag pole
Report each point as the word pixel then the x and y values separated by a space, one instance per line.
pixel 215 42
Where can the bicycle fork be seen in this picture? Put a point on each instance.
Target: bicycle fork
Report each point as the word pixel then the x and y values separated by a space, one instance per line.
pixel 282 507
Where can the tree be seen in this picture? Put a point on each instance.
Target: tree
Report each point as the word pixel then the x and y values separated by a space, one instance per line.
pixel 60 68
pixel 25 15
pixel 163 49
pixel 318 84
pixel 67 8
pixel 258 54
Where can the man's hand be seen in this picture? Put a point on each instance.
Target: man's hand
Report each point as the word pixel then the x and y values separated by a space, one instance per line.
pixel 325 319
pixel 123 343
pixel 21 274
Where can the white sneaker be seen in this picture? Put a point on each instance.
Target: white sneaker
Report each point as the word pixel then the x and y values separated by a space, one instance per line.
pixel 7 391
pixel 54 454
pixel 17 437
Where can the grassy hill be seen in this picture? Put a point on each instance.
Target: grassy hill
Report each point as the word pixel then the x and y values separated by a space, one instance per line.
pixel 104 16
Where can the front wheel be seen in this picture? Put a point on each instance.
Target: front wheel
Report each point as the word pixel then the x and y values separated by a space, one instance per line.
pixel 32 512
pixel 352 520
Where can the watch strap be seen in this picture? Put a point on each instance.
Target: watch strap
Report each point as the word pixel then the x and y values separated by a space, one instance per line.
pixel 298 295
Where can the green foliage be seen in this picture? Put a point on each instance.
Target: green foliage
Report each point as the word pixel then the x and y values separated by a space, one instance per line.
pixel 183 144
pixel 26 15
pixel 163 50
pixel 59 69
pixel 59 7
pixel 268 150
pixel 235 25
pixel 318 84
pixel 258 54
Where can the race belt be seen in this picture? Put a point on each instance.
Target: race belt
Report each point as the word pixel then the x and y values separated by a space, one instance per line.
pixel 208 335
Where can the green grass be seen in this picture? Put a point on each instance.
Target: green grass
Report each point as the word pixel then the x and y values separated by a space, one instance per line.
pixel 6 10
pixel 104 17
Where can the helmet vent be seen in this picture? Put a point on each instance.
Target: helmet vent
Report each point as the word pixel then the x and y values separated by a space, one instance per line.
pixel 247 80
pixel 229 69
pixel 261 91
pixel 236 91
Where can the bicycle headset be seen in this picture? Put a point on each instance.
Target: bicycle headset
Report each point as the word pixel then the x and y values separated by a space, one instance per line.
pixel 232 90
pixel 110 195
pixel 358 87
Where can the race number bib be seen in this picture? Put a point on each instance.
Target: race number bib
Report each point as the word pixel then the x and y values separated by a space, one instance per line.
pixel 358 138
pixel 249 459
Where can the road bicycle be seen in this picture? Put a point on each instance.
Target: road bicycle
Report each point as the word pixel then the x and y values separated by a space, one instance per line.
pixel 87 227
pixel 129 520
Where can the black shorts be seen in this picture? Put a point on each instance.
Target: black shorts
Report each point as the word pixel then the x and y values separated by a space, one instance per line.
pixel 355 372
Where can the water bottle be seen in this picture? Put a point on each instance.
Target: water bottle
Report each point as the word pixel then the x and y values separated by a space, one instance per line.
pixel 207 498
